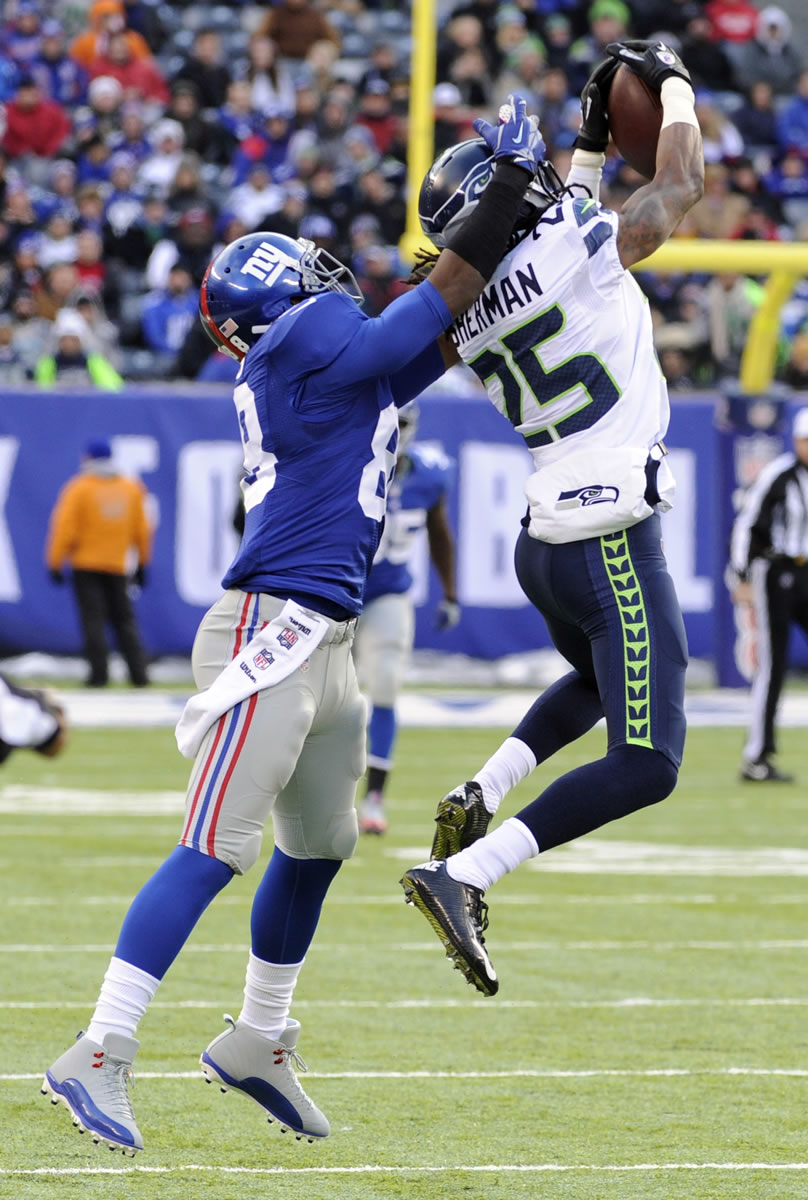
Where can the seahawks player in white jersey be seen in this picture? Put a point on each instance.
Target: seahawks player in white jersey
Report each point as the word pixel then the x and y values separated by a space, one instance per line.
pixel 416 502
pixel 278 725
pixel 561 337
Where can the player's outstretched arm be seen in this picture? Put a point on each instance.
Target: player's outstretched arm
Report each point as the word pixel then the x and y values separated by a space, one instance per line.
pixel 649 217
pixel 474 252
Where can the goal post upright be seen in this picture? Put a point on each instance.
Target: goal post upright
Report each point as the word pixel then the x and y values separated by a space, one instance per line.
pixel 421 133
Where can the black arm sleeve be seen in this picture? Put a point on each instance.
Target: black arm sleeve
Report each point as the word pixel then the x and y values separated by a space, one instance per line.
pixel 483 239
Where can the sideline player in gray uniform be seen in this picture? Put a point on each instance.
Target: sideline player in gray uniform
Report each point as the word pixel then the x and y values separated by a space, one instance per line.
pixel 562 339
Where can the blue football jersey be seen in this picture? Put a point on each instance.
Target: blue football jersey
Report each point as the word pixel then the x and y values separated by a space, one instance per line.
pixel 420 482
pixel 317 399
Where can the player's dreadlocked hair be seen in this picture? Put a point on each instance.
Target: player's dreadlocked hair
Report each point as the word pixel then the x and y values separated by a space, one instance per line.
pixel 424 262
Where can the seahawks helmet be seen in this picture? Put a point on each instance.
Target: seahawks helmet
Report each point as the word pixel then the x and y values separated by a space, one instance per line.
pixel 256 278
pixel 459 176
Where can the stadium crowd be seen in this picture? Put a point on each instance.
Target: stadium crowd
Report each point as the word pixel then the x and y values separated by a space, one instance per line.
pixel 138 137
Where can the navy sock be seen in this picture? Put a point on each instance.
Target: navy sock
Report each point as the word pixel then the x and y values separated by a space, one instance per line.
pixel 287 906
pixel 628 778
pixel 381 732
pixel 563 713
pixel 165 910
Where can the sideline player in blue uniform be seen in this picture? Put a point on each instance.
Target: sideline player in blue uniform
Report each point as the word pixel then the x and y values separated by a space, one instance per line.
pixel 417 501
pixel 563 341
pixel 278 725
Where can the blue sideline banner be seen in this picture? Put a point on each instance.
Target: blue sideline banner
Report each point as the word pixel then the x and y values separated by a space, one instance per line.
pixel 184 445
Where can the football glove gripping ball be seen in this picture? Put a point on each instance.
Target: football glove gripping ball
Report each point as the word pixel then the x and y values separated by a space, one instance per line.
pixel 593 132
pixel 654 62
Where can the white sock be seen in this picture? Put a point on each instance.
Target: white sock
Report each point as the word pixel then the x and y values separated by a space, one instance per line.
pixel 268 995
pixel 508 766
pixel 487 860
pixel 122 1001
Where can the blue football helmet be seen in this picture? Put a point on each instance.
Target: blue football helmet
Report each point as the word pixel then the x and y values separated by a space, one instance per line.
pixel 255 279
pixel 459 176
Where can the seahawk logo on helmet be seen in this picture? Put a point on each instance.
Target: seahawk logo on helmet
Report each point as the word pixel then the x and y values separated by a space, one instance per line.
pixel 459 176
pixel 254 280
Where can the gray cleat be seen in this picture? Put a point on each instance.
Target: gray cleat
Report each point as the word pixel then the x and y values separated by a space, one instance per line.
pixel 92 1082
pixel 262 1068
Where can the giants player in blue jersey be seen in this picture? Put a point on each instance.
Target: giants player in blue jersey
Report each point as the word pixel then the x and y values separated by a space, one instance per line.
pixel 416 502
pixel 562 339
pixel 278 725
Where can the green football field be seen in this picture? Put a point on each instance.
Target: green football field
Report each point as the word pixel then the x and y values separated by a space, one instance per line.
pixel 649 1040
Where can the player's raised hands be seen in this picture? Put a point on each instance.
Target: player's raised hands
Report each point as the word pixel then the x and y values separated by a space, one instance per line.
pixel 516 138
pixel 654 62
pixel 593 132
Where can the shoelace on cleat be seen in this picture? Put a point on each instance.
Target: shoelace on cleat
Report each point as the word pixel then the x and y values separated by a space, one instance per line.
pixel 116 1080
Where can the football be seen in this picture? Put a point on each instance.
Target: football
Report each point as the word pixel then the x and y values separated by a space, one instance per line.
pixel 635 117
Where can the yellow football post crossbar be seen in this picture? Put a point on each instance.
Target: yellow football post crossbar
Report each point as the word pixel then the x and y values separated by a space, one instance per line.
pixel 784 264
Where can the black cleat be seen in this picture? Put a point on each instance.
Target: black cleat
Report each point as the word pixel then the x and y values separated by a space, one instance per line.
pixel 764 772
pixel 459 917
pixel 461 818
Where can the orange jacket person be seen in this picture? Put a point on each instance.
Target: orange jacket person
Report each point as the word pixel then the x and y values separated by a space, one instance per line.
pixel 98 518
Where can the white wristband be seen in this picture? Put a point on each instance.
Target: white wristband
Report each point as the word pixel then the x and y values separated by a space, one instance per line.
pixel 585 170
pixel 678 102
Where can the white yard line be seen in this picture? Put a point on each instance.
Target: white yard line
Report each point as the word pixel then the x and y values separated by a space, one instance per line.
pixel 372 1169
pixel 763 944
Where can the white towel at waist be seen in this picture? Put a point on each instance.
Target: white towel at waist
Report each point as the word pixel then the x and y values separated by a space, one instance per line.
pixel 274 653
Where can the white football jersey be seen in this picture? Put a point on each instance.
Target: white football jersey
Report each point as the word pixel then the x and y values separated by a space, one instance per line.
pixel 562 339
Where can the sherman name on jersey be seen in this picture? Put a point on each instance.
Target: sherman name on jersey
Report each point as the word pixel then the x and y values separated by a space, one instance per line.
pixel 548 339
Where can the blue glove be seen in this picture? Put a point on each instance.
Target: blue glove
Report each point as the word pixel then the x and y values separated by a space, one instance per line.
pixel 516 139
pixel 447 615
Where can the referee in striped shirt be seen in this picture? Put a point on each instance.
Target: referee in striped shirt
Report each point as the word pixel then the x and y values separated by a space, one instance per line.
pixel 769 573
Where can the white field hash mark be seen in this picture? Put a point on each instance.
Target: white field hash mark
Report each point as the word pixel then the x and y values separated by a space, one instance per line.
pixel 626 1002
pixel 373 1169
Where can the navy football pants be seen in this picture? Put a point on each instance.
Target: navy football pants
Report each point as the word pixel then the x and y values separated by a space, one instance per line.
pixel 611 610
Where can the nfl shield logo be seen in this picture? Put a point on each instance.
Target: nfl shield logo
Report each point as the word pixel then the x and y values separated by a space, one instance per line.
pixel 287 638
pixel 263 659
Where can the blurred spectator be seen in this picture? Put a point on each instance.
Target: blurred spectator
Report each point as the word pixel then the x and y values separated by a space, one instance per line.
pixel 72 362
pixel 255 199
pixel 58 242
pixel 792 119
pixel 204 66
pixel 795 371
pixel 380 279
pixel 722 142
pixel 104 335
pixel 788 181
pixel 139 77
pixel 462 35
pixel 382 64
pixel 93 161
pixel 30 330
pixel 58 284
pixel 653 17
pixel 756 119
pixel 269 145
pixel 131 136
pixel 471 74
pixel 318 67
pixel 719 211
pixel 133 227
pixel 106 17
pixel 168 314
pixel 90 261
pixel 733 21
pixel 271 85
pixel 730 301
pixel 553 101
pixel 236 117
pixel 23 39
pixel 376 114
pixel 770 55
pixel 12 364
pixel 706 59
pixel 33 125
pixel 105 96
pixel 378 196
pixel 167 142
pixel 452 121
pixel 746 181
pixel 295 25
pixel 333 122
pixel 192 244
pixel 57 75
pixel 523 71
pixel 609 21
pixel 9 78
